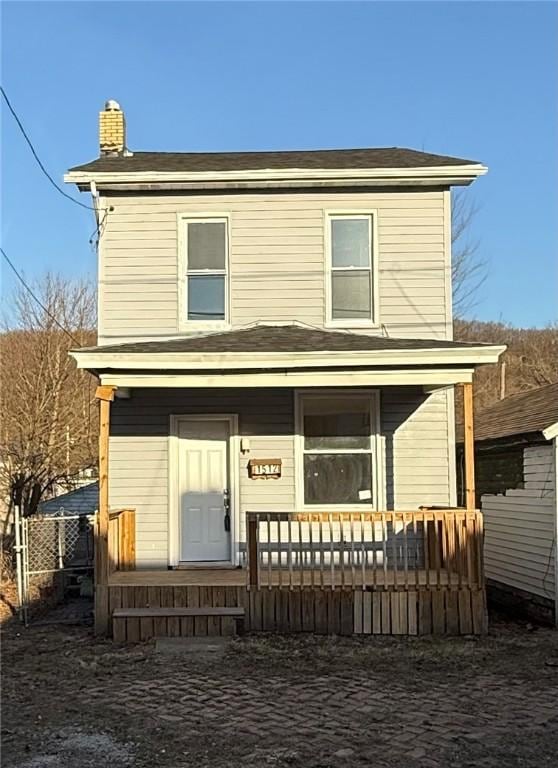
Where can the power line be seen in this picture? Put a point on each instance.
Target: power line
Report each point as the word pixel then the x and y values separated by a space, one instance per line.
pixel 39 302
pixel 38 159
pixel 64 330
pixel 96 234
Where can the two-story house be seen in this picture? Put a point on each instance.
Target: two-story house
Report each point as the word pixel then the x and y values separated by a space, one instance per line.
pixel 275 355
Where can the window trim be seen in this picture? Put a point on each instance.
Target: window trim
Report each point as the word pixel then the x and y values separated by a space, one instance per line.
pixel 329 216
pixel 183 220
pixel 376 449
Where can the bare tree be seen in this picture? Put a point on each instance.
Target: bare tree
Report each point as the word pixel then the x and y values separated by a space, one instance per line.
pixel 48 414
pixel 531 358
pixel 468 269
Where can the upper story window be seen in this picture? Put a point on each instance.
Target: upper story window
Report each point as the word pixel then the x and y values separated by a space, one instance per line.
pixel 205 246
pixel 352 284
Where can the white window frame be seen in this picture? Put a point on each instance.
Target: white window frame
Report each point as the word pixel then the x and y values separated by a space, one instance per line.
pixel 184 220
pixel 374 321
pixel 377 502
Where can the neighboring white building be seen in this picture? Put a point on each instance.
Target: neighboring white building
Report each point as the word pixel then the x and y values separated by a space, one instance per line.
pixel 516 459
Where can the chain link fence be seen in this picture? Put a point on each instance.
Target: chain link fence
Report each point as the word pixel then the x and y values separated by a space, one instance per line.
pixel 58 543
pixel 55 557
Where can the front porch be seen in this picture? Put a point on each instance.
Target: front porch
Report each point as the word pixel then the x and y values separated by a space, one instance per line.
pixel 308 485
pixel 382 573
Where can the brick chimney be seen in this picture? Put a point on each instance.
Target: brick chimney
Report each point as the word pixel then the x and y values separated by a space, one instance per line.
pixel 112 129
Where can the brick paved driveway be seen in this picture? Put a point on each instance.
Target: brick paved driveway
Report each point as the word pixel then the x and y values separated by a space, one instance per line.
pixel 289 702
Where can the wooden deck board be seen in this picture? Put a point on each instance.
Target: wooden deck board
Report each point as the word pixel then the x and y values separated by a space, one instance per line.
pixel 237 577
pixel 142 613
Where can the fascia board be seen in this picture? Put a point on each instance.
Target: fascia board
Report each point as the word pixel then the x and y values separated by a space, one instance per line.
pixel 264 360
pixel 378 175
pixel 551 432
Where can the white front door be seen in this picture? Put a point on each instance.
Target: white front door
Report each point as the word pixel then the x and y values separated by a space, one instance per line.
pixel 203 487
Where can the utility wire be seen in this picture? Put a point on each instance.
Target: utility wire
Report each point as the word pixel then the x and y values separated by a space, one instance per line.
pixel 39 302
pixel 73 200
pixel 38 159
pixel 96 234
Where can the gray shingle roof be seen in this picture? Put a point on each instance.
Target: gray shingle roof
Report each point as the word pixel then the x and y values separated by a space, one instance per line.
pixel 287 338
pixel 389 157
pixel 82 501
pixel 519 414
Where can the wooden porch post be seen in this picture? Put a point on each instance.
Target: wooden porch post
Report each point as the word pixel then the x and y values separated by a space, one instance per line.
pixel 469 446
pixel 253 565
pixel 105 395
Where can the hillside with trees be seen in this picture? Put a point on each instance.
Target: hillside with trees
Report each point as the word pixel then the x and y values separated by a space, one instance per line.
pixel 530 361
pixel 531 358
pixel 49 414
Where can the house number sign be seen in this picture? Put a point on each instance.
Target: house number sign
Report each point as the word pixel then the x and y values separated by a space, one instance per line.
pixel 264 468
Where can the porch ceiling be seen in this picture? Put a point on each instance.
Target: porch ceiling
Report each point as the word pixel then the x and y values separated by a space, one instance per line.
pixel 428 378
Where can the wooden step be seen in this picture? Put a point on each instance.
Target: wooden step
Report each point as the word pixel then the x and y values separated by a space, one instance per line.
pixel 133 624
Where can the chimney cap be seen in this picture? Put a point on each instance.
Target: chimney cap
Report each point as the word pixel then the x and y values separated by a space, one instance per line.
pixel 112 106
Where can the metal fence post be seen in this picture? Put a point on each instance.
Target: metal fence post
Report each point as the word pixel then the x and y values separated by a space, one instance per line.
pixel 18 548
pixel 60 533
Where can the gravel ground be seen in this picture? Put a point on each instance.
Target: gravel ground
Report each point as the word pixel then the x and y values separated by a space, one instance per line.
pixel 72 701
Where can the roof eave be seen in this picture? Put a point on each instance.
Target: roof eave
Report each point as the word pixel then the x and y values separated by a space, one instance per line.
pixel 495 441
pixel 95 360
pixel 435 175
pixel 551 432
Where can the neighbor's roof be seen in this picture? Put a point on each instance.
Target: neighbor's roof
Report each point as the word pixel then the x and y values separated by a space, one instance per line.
pixel 82 501
pixel 280 338
pixel 327 159
pixel 524 413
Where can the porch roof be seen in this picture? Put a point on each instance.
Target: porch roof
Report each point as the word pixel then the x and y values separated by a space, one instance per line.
pixel 286 355
pixel 282 346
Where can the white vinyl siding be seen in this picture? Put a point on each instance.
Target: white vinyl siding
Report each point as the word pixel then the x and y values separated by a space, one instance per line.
pixel 139 449
pixel 520 528
pixel 138 478
pixel 413 439
pixel 418 455
pixel 277 260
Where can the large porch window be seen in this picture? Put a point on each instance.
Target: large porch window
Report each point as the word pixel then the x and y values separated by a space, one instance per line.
pixel 338 452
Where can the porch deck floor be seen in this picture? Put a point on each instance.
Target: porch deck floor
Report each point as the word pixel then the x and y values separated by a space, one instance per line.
pixel 237 577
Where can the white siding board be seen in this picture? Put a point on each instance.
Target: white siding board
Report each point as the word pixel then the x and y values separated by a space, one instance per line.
pixel 274 239
pixel 524 581
pixel 533 492
pixel 143 486
pixel 415 428
pixel 520 528
pixel 142 480
pixel 129 289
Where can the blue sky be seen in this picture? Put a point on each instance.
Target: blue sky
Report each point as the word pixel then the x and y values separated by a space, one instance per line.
pixel 475 79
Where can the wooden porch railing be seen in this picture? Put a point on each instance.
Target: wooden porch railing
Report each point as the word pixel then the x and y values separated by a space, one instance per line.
pixel 386 550
pixel 122 540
